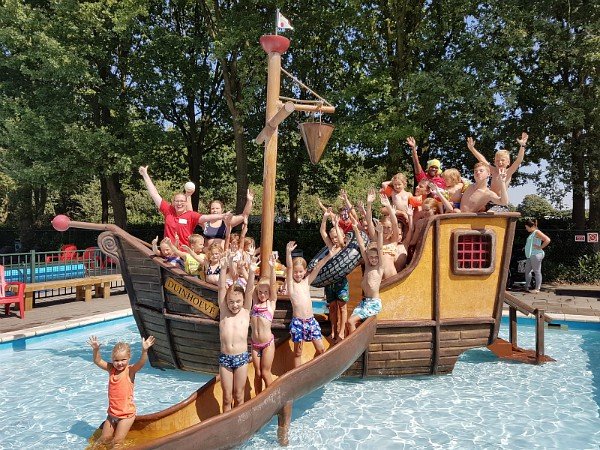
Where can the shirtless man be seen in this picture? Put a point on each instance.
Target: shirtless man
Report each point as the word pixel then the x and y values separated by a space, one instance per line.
pixel 370 305
pixel 478 195
pixel 501 161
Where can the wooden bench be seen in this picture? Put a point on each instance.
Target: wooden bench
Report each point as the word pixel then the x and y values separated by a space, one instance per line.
pixel 83 287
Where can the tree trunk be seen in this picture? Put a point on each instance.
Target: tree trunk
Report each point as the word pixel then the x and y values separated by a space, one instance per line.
pixel 578 181
pixel 117 199
pixel 104 199
pixel 594 188
pixel 294 187
pixel 241 159
pixel 25 217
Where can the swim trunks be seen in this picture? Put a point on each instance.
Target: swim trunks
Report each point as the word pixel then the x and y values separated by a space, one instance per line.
pixel 305 330
pixel 367 307
pixel 340 290
pixel 234 361
pixel 492 207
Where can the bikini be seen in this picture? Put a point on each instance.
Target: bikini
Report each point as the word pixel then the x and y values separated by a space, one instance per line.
pixel 258 311
pixel 210 271
pixel 211 232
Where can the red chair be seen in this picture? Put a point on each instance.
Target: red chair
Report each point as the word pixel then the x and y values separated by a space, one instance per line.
pixel 68 252
pixel 92 258
pixel 14 292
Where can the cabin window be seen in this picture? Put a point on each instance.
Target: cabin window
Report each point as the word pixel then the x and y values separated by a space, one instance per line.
pixel 473 252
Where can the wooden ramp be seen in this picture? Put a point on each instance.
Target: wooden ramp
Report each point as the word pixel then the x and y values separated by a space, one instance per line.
pixel 197 422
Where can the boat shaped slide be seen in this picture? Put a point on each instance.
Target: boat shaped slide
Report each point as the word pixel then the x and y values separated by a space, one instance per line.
pixel 196 423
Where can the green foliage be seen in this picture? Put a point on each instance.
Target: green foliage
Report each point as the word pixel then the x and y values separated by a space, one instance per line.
pixel 536 207
pixel 585 271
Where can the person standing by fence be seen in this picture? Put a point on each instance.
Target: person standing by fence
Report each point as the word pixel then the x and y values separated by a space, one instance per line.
pixel 534 251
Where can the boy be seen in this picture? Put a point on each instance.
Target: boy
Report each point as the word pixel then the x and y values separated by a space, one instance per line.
pixel 304 326
pixel 234 307
pixel 501 161
pixel 370 305
pixel 478 195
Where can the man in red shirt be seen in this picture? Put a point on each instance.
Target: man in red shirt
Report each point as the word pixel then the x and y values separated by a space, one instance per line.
pixel 434 167
pixel 178 219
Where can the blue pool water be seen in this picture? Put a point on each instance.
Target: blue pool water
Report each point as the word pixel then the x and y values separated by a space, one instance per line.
pixel 53 397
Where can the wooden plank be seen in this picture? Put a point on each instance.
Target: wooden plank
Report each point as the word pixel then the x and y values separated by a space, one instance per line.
pixel 406 346
pixel 408 337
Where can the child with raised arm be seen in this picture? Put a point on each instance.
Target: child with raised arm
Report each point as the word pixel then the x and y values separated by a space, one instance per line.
pixel 434 166
pixel 165 251
pixel 304 326
pixel 370 305
pixel 121 407
pixel 234 309
pixel 501 161
pixel 264 300
pixel 212 264
pixel 478 195
pixel 391 232
pixel 336 294
pixel 192 256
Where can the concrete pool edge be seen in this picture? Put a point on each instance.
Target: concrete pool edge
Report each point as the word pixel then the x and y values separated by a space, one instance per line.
pixel 62 326
pixel 74 323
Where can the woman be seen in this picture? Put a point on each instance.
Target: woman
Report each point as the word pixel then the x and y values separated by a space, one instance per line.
pixel 534 251
pixel 215 230
pixel 180 219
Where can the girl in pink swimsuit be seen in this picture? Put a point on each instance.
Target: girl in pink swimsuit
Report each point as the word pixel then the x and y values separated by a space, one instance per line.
pixel 264 299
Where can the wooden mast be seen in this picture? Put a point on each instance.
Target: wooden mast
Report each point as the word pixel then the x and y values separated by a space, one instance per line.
pixel 274 46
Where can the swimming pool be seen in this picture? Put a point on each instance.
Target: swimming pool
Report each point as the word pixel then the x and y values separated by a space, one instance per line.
pixel 53 397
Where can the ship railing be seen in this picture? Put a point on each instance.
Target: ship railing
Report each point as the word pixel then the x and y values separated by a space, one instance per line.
pixel 515 305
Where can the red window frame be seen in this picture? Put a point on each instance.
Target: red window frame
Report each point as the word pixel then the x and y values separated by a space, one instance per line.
pixel 474 252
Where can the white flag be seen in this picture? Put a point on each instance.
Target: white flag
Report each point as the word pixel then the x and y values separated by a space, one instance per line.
pixel 282 22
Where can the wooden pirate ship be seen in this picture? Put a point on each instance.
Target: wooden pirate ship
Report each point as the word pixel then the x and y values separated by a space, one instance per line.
pixel 446 301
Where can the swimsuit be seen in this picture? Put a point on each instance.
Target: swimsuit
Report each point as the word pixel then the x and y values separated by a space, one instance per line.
pixel 456 205
pixel 340 290
pixel 263 312
pixel 210 271
pixel 390 249
pixel 120 394
pixel 496 208
pixel 260 346
pixel 234 361
pixel 305 329
pixel 367 307
pixel 211 232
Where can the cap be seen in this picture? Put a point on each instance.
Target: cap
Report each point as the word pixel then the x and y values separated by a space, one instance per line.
pixel 434 162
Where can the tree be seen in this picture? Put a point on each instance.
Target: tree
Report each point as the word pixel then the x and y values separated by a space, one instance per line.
pixel 536 207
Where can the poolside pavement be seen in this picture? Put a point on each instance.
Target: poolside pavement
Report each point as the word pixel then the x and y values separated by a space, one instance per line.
pixel 574 303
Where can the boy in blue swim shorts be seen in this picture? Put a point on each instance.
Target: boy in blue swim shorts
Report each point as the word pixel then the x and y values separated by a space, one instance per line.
pixel 234 309
pixel 304 326
pixel 370 305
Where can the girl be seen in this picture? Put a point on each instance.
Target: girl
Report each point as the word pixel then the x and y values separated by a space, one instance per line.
pixel 338 293
pixel 215 230
pixel 391 233
pixel 212 266
pixel 534 251
pixel 264 299
pixel 455 186
pixel 121 408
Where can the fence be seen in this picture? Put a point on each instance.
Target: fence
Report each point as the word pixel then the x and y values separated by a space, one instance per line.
pixel 66 264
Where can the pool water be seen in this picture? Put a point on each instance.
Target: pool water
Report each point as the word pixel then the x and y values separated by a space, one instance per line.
pixel 53 396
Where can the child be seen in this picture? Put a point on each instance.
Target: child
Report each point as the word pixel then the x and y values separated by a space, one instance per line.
pixel 396 189
pixel 370 305
pixel 165 251
pixel 336 294
pixel 391 233
pixel 193 257
pixel 304 326
pixel 264 299
pixel 478 195
pixel 234 307
pixel 455 186
pixel 212 265
pixel 501 161
pixel 121 408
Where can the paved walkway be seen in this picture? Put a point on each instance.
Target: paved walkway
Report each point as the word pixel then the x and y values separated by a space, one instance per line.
pixel 577 303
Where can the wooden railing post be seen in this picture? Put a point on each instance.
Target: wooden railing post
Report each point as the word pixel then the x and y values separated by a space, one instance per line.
pixel 539 335
pixel 512 331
